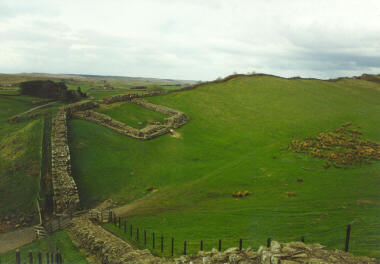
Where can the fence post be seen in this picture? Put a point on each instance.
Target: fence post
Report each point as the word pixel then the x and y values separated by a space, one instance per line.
pixel 220 245
pixel 240 244
pixel 201 245
pixel 172 248
pixel 269 240
pixel 302 239
pixel 110 216
pixel 119 222
pixel 144 237
pixel 125 226
pixel 18 258
pixel 153 239
pixel 184 248
pixel 347 237
pixel 39 257
pixel 30 254
pixel 47 258
pixel 131 231
pixel 162 243
pixel 114 219
pixel 137 234
pixel 57 257
pixel 52 258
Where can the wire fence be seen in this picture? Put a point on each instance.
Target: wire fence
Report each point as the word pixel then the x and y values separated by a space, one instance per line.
pixel 169 246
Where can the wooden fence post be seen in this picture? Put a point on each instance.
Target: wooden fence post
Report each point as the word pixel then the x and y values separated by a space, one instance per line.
pixel 110 216
pixel 30 255
pixel 240 244
pixel 119 221
pixel 57 257
pixel 201 245
pixel 269 240
pixel 162 243
pixel 47 258
pixel 153 239
pixel 184 248
pixel 172 248
pixel 18 258
pixel 144 237
pixel 347 237
pixel 39 257
pixel 52 258
pixel 220 245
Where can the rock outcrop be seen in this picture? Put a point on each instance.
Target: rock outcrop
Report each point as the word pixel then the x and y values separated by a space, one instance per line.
pixel 65 193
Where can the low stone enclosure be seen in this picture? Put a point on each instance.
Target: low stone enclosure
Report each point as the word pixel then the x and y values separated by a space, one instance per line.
pixel 66 198
pixel 176 119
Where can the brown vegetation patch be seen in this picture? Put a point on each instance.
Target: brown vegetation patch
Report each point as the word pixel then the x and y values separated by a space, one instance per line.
pixel 240 194
pixel 341 148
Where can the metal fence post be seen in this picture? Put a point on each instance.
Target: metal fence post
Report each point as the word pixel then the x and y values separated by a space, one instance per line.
pixel 162 243
pixel 347 237
pixel 220 245
pixel 172 248
pixel 18 258
pixel 269 240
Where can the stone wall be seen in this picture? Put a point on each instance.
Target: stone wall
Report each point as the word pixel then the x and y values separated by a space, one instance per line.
pixel 65 193
pixel 176 120
pixel 98 242
pixel 80 106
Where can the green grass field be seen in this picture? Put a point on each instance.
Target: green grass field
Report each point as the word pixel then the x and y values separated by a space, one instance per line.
pixel 235 141
pixel 60 240
pixel 20 154
pixel 131 114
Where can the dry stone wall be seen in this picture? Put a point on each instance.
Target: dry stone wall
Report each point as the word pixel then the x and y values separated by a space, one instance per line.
pixel 175 120
pixel 65 192
pixel 96 241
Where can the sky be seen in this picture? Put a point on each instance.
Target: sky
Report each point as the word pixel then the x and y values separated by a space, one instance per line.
pixel 191 39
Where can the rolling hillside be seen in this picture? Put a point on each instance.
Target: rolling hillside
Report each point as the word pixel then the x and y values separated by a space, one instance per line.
pixel 236 140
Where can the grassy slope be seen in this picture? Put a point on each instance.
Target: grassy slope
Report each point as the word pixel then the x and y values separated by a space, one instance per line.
pixel 233 143
pixel 19 165
pixel 131 114
pixel 60 240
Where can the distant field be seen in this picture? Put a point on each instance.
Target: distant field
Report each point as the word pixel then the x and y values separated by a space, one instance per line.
pixel 235 141
pixel 131 114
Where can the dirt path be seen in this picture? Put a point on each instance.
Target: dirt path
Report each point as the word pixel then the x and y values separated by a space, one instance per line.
pixel 15 239
pixel 37 107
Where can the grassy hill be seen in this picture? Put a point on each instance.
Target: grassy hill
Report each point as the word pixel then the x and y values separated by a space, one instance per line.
pixel 20 158
pixel 236 141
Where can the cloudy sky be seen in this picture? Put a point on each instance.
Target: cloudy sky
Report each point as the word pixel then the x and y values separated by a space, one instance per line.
pixel 191 39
